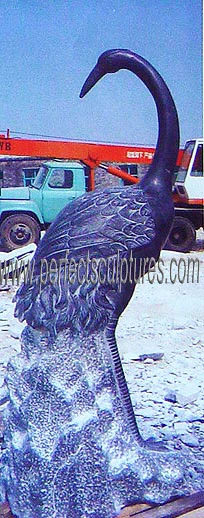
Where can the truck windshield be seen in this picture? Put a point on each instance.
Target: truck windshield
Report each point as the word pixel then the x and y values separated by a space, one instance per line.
pixel 40 178
pixel 187 154
pixel 197 168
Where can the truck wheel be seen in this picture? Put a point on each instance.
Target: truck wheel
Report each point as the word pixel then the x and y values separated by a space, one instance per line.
pixel 182 235
pixel 19 230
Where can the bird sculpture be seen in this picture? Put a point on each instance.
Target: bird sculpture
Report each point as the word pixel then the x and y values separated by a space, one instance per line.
pixel 72 444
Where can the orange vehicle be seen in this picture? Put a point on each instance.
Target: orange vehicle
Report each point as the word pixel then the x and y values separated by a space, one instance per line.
pixel 90 153
pixel 25 211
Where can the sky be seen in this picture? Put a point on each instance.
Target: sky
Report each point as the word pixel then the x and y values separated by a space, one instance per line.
pixel 48 48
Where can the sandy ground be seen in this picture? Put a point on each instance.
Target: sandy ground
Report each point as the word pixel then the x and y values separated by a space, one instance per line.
pixel 167 318
pixel 163 318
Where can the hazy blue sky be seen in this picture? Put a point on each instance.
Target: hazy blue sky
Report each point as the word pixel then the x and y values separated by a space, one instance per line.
pixel 49 46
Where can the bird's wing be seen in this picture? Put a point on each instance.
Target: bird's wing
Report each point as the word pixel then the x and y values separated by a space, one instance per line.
pixel 101 224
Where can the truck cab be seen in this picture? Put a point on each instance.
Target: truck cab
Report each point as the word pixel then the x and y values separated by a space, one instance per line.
pixel 25 211
pixel 189 180
pixel 188 198
pixel 56 184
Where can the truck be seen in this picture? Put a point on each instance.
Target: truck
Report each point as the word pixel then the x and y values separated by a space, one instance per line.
pixel 188 194
pixel 67 171
pixel 25 211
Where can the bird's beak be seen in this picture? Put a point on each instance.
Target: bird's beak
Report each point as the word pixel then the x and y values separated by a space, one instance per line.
pixel 94 76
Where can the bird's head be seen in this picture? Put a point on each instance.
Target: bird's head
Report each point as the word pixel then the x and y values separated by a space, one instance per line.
pixel 108 63
pixel 168 138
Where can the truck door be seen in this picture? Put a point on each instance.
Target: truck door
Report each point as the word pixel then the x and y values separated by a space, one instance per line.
pixel 63 185
pixel 194 181
pixel 190 174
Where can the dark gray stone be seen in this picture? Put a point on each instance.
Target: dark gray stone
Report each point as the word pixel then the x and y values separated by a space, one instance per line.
pixel 69 445
pixel 190 440
pixel 4 395
pixel 171 396
pixel 151 356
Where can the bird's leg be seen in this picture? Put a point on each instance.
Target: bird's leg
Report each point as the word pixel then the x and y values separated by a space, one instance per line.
pixel 121 381
pixel 124 392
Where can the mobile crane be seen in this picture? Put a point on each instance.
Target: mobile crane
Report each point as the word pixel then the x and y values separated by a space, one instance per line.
pixel 68 171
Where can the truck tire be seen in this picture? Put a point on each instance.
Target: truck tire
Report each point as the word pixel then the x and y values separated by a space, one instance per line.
pixel 19 230
pixel 182 235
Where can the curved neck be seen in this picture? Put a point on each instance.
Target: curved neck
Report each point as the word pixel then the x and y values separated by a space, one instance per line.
pixel 164 161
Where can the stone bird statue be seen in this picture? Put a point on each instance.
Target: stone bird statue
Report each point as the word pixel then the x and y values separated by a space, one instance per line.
pixel 72 444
